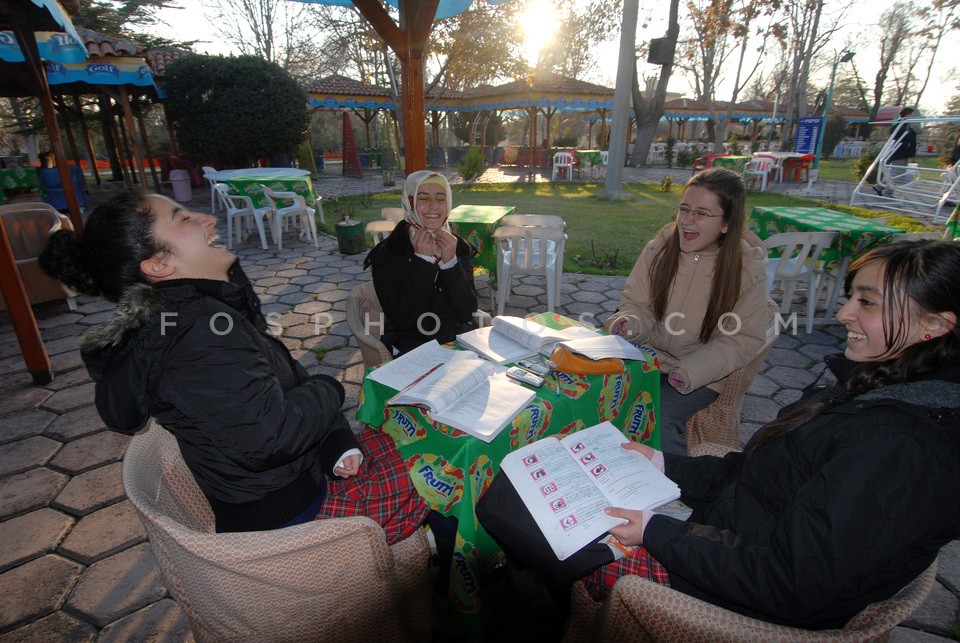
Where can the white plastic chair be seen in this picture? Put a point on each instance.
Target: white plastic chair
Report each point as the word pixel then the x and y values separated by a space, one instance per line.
pixel 535 248
pixel 213 201
pixel 799 252
pixel 298 211
pixel 239 208
pixel 562 161
pixel 757 168
pixel 391 214
pixel 381 229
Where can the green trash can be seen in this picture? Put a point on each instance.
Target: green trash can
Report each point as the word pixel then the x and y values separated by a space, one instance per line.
pixel 350 237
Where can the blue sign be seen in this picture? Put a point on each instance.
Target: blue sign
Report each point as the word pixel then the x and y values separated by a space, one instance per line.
pixel 808 132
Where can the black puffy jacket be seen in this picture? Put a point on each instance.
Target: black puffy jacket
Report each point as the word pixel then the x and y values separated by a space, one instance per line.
pixel 254 428
pixel 842 511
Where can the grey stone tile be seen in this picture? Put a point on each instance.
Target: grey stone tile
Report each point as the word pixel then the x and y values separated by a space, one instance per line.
pixel 790 377
pixel 103 533
pixel 312 308
pixel 68 379
pixel 22 395
pixel 91 490
pixel 759 409
pixel 117 586
pixel 23 455
pixel 75 424
pixel 58 320
pixel 158 622
pixel 71 398
pixel 13 364
pixel 937 613
pixel 90 452
pixel 29 490
pixel 32 535
pixel 55 627
pixel 36 589
pixel 66 361
pixel 62 345
pixel 784 357
pixel 59 332
pixel 18 426
pixel 948 566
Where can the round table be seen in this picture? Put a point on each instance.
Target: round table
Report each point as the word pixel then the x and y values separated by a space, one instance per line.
pixel 247 182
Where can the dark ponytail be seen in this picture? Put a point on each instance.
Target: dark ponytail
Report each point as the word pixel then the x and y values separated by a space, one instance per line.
pixel 925 274
pixel 105 260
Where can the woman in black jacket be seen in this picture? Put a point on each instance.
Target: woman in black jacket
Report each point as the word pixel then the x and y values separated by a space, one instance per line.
pixel 841 501
pixel 422 272
pixel 188 346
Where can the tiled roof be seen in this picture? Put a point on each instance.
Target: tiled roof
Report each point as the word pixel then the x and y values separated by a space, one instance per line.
pixel 99 44
pixel 159 59
pixel 541 84
pixel 343 85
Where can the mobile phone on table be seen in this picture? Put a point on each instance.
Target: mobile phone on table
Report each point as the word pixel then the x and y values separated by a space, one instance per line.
pixel 526 377
pixel 541 370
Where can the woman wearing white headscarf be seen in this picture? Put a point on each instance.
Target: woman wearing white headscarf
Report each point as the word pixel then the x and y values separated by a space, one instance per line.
pixel 422 272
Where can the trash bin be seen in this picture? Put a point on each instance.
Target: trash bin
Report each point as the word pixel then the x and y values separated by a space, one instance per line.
pixel 180 179
pixel 350 238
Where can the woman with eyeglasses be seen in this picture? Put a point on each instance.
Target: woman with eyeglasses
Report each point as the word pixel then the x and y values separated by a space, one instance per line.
pixel 697 295
pixel 422 272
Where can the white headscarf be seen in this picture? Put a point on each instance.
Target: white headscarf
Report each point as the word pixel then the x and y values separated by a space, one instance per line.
pixel 408 201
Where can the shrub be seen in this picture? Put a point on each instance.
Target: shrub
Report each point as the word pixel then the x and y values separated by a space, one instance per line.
pixel 668 151
pixel 861 165
pixel 472 164
pixel 230 111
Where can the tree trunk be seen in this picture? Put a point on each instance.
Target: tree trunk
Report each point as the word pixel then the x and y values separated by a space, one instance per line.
pixel 648 116
pixel 106 123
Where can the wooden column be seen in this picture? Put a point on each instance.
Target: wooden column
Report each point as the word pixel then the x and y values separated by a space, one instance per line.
pixel 65 115
pixel 21 314
pixel 88 140
pixel 145 141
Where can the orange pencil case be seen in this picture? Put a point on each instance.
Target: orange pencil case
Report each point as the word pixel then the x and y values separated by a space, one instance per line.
pixel 567 361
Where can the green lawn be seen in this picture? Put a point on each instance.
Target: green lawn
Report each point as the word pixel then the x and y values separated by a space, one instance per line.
pixel 604 237
pixel 842 169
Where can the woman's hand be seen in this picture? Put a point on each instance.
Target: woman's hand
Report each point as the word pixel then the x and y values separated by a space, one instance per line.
pixel 651 454
pixel 446 245
pixel 619 327
pixel 423 243
pixel 630 534
pixel 349 468
pixel 677 380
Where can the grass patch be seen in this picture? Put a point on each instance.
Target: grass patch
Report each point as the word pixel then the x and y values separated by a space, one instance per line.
pixel 604 237
pixel 321 352
pixel 842 169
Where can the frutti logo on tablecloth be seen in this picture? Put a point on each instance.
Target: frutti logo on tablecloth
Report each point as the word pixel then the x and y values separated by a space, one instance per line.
pixel 642 419
pixel 401 425
pixel 438 482
pixel 465 557
pixel 473 238
pixel 530 424
pixel 612 394
pixel 481 476
pixel 573 427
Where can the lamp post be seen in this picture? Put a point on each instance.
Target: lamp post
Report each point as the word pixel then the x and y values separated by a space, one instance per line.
pixel 841 58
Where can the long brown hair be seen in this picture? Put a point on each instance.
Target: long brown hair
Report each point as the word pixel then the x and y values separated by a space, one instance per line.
pixel 924 274
pixel 725 289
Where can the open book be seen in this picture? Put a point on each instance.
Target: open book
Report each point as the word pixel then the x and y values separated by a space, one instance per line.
pixel 567 483
pixel 510 339
pixel 469 394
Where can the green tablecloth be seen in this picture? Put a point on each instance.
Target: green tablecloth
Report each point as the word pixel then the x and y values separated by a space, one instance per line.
pixel 735 163
pixel 476 223
pixel 589 157
pixel 250 186
pixel 18 177
pixel 451 469
pixel 856 235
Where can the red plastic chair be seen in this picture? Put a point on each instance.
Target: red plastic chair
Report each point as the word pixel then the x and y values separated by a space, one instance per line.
pixel 794 167
pixel 705 161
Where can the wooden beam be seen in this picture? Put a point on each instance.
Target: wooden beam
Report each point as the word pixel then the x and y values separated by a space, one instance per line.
pixel 145 140
pixel 132 129
pixel 383 24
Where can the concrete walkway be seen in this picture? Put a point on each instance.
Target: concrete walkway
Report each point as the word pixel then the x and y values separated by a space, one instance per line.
pixel 74 561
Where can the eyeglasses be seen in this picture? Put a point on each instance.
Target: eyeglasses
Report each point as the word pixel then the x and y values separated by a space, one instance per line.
pixel 699 215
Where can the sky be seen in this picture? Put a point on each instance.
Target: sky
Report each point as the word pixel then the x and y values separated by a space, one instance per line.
pixel 859 34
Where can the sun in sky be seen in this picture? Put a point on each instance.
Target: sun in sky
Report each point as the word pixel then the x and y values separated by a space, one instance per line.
pixel 539 22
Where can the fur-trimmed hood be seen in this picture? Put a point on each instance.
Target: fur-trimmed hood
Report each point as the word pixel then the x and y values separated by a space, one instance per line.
pixel 137 305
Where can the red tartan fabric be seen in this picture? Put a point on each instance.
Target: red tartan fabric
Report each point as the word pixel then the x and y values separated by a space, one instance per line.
pixel 382 491
pixel 639 563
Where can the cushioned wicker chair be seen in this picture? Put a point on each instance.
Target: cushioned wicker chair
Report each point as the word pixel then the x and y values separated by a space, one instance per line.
pixel 29 226
pixel 325 580
pixel 364 314
pixel 638 609
pixel 719 421
pixel 642 610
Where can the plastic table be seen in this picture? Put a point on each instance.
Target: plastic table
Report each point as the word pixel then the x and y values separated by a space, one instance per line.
pixel 476 223
pixel 284 179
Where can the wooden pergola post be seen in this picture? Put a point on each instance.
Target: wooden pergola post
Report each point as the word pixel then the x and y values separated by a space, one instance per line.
pixel 88 140
pixel 145 141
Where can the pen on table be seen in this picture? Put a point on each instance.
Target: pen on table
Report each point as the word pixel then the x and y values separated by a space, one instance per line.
pixel 421 378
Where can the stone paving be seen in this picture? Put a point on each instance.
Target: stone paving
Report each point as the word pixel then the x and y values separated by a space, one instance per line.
pixel 75 564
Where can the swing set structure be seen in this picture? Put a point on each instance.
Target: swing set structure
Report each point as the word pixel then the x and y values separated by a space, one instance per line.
pixel 926 191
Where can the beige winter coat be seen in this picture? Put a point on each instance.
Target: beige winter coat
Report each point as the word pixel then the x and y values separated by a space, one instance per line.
pixel 676 338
